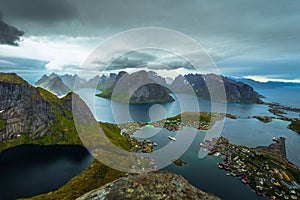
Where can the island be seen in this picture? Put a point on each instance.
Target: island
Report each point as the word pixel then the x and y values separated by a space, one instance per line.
pixel 124 89
pixel 295 125
pixel 279 111
pixel 197 120
pixel 179 162
pixel 265 119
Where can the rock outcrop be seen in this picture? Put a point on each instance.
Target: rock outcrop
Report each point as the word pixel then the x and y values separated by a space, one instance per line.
pixel 25 109
pixel 154 185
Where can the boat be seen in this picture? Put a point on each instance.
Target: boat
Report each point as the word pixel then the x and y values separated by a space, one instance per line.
pixel 220 166
pixel 172 138
pixel 216 154
pixel 227 173
pixel 275 139
pixel 244 180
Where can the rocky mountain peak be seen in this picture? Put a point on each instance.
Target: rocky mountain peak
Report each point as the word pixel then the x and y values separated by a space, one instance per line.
pixel 154 185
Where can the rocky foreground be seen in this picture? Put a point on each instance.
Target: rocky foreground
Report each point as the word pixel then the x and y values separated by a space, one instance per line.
pixel 154 185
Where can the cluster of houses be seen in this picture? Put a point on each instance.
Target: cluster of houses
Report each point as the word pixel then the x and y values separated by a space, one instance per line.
pixel 266 176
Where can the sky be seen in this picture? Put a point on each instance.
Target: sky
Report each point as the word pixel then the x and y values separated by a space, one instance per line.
pixel 243 38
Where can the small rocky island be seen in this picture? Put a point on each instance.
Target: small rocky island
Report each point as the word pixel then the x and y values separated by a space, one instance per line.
pixel 179 162
pixel 265 119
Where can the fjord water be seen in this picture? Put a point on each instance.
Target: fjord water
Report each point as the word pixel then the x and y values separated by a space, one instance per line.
pixel 204 173
pixel 287 96
pixel 244 130
pixel 28 170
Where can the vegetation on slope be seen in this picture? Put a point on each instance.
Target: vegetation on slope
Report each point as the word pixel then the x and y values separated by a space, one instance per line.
pixel 2 124
pixel 11 78
pixel 62 131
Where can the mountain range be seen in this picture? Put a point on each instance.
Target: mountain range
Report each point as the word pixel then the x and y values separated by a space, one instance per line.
pixel 59 85
pixel 158 88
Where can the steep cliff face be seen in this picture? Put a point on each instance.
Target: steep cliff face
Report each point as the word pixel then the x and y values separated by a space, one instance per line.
pixel 235 91
pixel 25 109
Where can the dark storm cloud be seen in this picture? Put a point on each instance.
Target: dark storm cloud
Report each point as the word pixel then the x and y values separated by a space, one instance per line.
pixel 9 35
pixel 43 11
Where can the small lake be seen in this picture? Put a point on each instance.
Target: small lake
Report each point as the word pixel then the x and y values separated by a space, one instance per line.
pixel 28 170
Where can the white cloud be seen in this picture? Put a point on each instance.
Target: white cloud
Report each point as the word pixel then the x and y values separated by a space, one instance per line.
pixel 266 79
pixel 60 51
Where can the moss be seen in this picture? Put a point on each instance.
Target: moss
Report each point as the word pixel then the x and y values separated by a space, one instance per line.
pixel 2 124
pixel 12 78
pixel 49 97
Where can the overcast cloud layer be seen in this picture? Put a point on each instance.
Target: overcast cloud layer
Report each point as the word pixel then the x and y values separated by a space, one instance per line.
pixel 243 37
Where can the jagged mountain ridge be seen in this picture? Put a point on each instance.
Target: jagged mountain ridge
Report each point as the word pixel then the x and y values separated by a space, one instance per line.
pixel 59 84
pixel 54 84
pixel 236 91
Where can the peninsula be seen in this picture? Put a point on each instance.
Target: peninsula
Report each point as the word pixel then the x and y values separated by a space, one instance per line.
pixel 265 169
